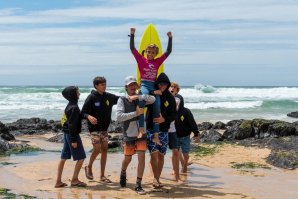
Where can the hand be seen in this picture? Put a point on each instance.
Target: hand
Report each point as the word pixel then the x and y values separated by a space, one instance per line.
pixel 196 139
pixel 132 98
pixel 159 119
pixel 169 34
pixel 132 31
pixel 92 119
pixel 74 145
pixel 157 92
pixel 139 111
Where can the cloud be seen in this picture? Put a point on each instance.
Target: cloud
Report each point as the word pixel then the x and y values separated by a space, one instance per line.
pixel 206 33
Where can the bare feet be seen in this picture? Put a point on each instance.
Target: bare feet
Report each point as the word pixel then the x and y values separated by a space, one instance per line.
pixel 60 184
pixel 156 139
pixel 141 132
pixel 88 173
pixel 184 170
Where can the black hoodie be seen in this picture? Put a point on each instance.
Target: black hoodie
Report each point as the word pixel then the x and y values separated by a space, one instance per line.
pixel 73 121
pixel 167 106
pixel 185 122
pixel 100 107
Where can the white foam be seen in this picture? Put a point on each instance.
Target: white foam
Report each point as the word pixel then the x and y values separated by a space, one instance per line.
pixel 223 105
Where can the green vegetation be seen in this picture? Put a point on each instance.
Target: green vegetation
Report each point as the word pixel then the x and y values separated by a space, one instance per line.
pixel 21 149
pixel 115 150
pixel 248 165
pixel 205 149
pixel 6 163
pixel 5 193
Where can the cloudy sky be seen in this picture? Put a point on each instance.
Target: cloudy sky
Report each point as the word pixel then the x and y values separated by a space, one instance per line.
pixel 216 42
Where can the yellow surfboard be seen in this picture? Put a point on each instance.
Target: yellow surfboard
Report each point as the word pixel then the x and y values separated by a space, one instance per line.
pixel 150 36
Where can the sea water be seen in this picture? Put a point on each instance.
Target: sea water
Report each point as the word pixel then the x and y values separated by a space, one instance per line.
pixel 207 103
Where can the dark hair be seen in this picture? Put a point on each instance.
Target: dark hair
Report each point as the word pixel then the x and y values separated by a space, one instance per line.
pixel 98 80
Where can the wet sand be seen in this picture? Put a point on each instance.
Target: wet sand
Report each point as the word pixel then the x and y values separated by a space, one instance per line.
pixel 210 177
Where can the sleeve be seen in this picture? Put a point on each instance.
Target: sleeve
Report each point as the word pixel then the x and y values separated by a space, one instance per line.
pixel 73 121
pixel 114 99
pixel 192 123
pixel 87 107
pixel 121 116
pixel 169 48
pixel 173 112
pixel 132 42
pixel 149 99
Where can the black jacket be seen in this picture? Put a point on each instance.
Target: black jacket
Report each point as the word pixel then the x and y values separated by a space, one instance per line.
pixel 167 106
pixel 73 123
pixel 185 122
pixel 100 107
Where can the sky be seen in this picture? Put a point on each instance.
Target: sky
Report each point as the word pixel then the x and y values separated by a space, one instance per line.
pixel 215 42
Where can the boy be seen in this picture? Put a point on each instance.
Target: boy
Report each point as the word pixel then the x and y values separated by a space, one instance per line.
pixel 97 109
pixel 128 113
pixel 71 125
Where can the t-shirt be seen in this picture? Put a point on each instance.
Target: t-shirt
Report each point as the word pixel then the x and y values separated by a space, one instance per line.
pixel 148 68
pixel 172 128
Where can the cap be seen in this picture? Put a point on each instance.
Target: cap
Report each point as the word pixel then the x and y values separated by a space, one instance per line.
pixel 129 80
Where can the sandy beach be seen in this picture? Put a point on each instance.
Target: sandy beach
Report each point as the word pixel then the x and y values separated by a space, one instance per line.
pixel 208 177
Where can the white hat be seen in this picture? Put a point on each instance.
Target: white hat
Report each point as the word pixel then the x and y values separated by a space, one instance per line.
pixel 129 80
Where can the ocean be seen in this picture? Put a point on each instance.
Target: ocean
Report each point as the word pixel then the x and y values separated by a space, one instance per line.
pixel 207 103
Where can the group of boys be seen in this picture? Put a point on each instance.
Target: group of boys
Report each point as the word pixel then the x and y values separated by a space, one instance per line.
pixel 175 122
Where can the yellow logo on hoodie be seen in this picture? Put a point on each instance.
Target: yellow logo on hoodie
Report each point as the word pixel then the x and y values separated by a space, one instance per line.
pixel 108 103
pixel 182 118
pixel 166 103
pixel 63 119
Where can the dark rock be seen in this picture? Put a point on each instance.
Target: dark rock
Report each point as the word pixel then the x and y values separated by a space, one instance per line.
pixel 205 126
pixel 239 131
pixel 210 136
pixel 219 125
pixel 4 146
pixel 114 144
pixel 234 122
pixel 281 128
pixel 284 159
pixel 115 127
pixel 59 138
pixel 260 127
pixel 293 114
pixel 118 137
pixel 34 125
pixel 4 132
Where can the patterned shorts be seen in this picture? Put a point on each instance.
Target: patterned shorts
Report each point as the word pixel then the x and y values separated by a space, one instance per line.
pixel 153 147
pixel 98 137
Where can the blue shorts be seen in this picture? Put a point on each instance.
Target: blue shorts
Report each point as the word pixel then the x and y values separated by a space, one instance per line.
pixel 68 151
pixel 173 141
pixel 153 147
pixel 184 144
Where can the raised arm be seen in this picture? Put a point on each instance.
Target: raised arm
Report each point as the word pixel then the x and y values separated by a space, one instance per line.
pixel 132 38
pixel 169 48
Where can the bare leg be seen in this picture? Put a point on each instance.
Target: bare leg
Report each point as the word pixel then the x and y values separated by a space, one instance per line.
pixel 154 166
pixel 160 165
pixel 94 154
pixel 186 157
pixel 103 160
pixel 125 162
pixel 60 170
pixel 78 166
pixel 175 162
pixel 141 164
pixel 181 159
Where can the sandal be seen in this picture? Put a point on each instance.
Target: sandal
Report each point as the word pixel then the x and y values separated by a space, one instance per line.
pixel 89 175
pixel 79 184
pixel 60 185
pixel 105 179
